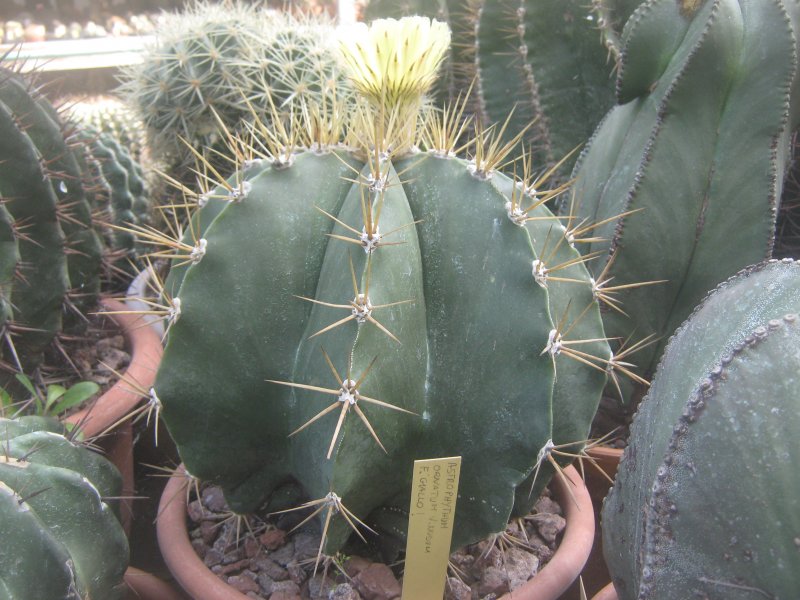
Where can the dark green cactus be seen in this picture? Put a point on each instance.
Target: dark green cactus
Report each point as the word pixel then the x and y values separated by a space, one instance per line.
pixel 686 171
pixel 435 331
pixel 61 539
pixel 705 503
pixel 110 115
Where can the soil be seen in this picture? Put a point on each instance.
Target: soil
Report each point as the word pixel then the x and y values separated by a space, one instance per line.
pixel 264 559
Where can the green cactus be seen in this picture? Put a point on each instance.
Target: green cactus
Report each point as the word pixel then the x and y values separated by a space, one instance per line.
pixel 214 66
pixel 107 114
pixel 696 147
pixel 548 61
pixel 435 301
pixel 61 539
pixel 723 407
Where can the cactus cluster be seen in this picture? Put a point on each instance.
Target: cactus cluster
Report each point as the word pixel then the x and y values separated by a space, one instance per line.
pixel 361 297
pixel 61 540
pixel 213 66
pixel 685 173
pixel 53 200
pixel 723 408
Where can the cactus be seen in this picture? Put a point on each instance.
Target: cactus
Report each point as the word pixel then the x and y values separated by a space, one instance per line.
pixel 547 61
pixel 723 406
pixel 52 254
pixel 213 66
pixel 695 148
pixel 107 114
pixel 61 539
pixel 431 303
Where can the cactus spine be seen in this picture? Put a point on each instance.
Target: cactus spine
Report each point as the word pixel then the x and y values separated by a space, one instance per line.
pixel 723 405
pixel 362 272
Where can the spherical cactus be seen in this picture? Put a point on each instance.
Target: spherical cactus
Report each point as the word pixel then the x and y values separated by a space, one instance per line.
pixel 705 502
pixel 61 539
pixel 110 115
pixel 345 309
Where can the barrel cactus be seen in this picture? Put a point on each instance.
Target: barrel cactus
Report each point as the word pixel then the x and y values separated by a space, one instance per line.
pixel 723 408
pixel 340 310
pixel 61 540
pixel 697 146
pixel 213 66
pixel 107 114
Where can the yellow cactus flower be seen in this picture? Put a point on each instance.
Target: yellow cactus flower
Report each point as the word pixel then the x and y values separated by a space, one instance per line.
pixel 393 62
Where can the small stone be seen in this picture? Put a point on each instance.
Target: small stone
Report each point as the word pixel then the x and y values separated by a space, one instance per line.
pixel 296 573
pixel 285 587
pixel 265 582
pixel 520 566
pixel 243 584
pixel 455 589
pixel 493 581
pixel 377 582
pixel 212 557
pixel 547 505
pixel 306 545
pixel 235 567
pixel 272 539
pixel 549 526
pixel 285 554
pixel 319 587
pixel 213 499
pixel 284 596
pixel 195 511
pixel 200 548
pixel 251 547
pixel 344 591
pixel 208 532
pixel 268 566
pixel 355 564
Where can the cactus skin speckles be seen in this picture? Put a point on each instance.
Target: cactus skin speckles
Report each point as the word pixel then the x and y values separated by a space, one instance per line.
pixel 722 407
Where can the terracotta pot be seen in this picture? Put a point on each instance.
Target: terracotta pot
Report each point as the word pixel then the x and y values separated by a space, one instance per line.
pixel 121 399
pixel 607 593
pixel 556 577
pixel 144 586
pixel 595 574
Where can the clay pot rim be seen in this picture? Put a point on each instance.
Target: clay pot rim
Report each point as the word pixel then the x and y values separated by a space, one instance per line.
pixel 120 400
pixel 554 579
pixel 607 593
pixel 146 586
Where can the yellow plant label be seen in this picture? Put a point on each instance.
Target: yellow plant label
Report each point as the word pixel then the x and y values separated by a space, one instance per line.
pixel 430 527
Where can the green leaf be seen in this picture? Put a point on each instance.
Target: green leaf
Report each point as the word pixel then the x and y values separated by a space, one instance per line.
pixel 75 395
pixel 54 392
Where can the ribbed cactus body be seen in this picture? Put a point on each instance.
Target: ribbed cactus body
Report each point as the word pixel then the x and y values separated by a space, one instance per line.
pixel 698 147
pixel 110 115
pixel 29 197
pixel 37 119
pixel 61 539
pixel 465 349
pixel 722 408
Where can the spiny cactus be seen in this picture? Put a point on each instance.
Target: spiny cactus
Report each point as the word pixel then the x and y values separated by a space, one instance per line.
pixel 213 66
pixel 52 252
pixel 340 311
pixel 60 538
pixel 705 502
pixel 685 173
pixel 107 114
